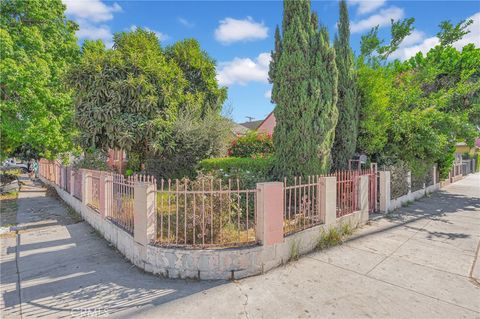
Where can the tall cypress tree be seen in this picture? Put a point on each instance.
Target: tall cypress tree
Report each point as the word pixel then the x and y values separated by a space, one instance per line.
pixel 347 128
pixel 304 79
pixel 275 54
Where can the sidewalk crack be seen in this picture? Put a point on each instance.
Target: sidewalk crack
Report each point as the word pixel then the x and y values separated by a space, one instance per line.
pixel 246 299
pixel 396 249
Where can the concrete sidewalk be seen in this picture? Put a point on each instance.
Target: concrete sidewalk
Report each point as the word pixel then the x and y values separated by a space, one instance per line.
pixel 417 263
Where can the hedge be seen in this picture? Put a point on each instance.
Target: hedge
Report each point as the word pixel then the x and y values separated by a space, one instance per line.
pixel 252 144
pixel 248 170
pixel 242 163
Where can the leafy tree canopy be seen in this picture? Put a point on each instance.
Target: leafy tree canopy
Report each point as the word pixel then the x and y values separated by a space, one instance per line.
pixel 129 97
pixel 416 110
pixel 38 45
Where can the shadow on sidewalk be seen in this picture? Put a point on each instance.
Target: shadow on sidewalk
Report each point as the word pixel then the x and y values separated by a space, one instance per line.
pixel 438 207
pixel 66 267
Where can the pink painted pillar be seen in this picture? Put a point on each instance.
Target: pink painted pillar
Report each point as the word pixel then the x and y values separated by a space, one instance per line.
pixel 105 194
pixel 145 213
pixel 270 208
pixel 327 201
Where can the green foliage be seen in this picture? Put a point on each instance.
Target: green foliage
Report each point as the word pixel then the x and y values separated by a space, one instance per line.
pixel 228 164
pixel 201 93
pixel 415 111
pixel 334 236
pixel 249 170
pixel 93 159
pixel 450 34
pixel 38 45
pixel 130 97
pixel 304 78
pixel 127 96
pixel 192 140
pixel 294 250
pixel 252 144
pixel 347 127
pixel 371 48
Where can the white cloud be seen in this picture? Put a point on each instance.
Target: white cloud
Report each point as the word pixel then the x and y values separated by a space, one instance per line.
pixel 161 36
pixel 268 94
pixel 89 14
pixel 382 19
pixel 404 52
pixel 233 30
pixel 94 32
pixel 473 36
pixel 367 6
pixel 186 23
pixel 414 38
pixel 244 70
pixel 91 10
pixel 418 42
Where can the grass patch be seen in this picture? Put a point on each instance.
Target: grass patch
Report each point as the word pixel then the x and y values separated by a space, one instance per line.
pixel 407 203
pixel 8 209
pixel 334 236
pixel 294 251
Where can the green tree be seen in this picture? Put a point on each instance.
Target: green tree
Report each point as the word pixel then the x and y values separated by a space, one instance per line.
pixel 347 127
pixel 415 111
pixel 126 97
pixel 38 45
pixel 202 90
pixel 304 89
pixel 130 97
pixel 372 49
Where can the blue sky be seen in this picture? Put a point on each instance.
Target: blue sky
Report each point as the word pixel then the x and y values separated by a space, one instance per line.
pixel 239 34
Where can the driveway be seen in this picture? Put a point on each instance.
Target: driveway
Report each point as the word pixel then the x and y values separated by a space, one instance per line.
pixel 416 263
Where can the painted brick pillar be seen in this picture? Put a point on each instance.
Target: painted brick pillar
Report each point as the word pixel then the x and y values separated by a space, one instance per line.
pixel 328 199
pixel 72 181
pixel 270 208
pixel 86 185
pixel 363 197
pixel 144 213
pixel 385 193
pixel 409 181
pixel 105 194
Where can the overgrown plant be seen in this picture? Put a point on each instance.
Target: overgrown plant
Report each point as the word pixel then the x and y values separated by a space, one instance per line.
pixel 334 236
pixel 294 250
pixel 253 144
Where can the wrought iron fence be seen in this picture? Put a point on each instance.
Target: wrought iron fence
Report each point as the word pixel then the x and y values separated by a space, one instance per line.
pixel 121 201
pixel 93 196
pixel 302 204
pixel 347 186
pixel 205 213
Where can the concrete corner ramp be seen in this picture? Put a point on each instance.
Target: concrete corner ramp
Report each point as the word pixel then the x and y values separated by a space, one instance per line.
pixel 419 262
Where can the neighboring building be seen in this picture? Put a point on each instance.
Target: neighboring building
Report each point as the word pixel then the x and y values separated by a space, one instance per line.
pixel 262 126
pixel 117 159
pixel 251 125
pixel 239 129
pixel 462 147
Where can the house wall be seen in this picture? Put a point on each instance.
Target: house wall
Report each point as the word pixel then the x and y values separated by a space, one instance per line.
pixel 268 125
pixel 116 159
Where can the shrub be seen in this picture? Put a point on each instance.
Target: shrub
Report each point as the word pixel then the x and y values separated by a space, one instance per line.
pixel 249 170
pixel 93 159
pixel 193 139
pixel 252 144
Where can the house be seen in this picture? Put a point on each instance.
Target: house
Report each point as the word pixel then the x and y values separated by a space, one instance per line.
pixel 463 148
pixel 117 159
pixel 266 125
